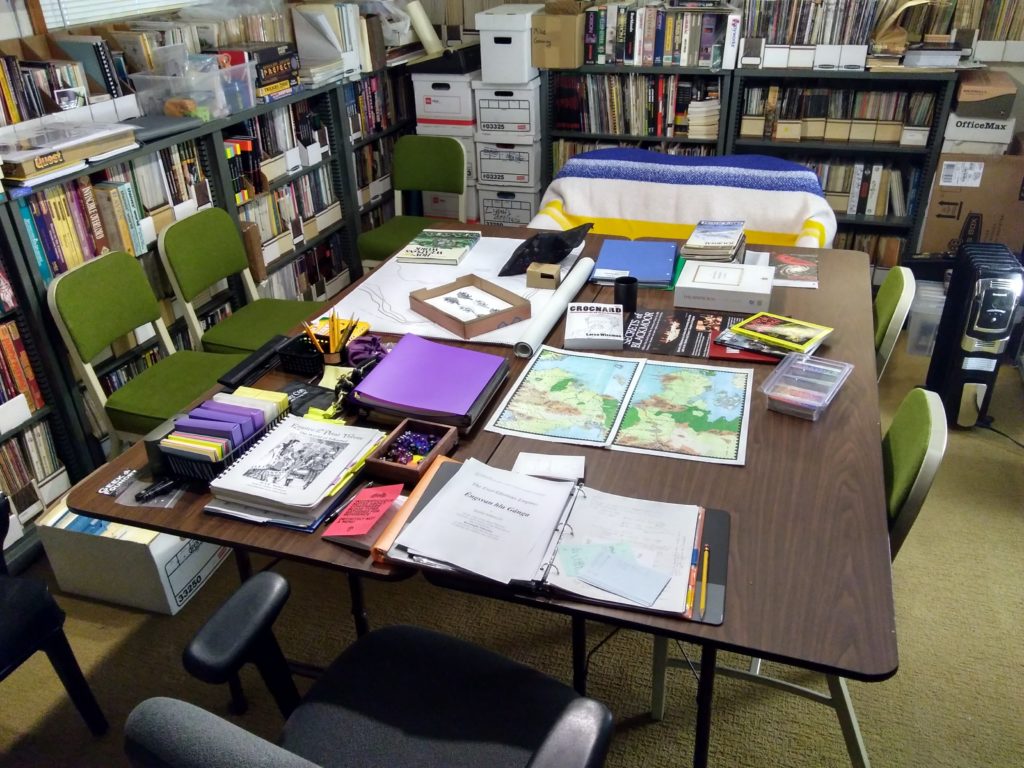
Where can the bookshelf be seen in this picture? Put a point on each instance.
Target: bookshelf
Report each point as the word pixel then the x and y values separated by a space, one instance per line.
pixel 906 146
pixel 316 265
pixel 49 437
pixel 625 105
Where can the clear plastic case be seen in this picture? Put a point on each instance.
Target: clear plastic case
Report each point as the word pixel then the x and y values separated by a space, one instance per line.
pixel 802 385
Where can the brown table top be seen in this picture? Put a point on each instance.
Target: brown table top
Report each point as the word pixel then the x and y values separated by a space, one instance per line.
pixel 809 578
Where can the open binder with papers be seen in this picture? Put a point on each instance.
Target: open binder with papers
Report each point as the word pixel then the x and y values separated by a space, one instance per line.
pixel 567 538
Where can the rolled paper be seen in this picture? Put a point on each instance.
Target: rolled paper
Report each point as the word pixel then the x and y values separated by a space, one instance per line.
pixel 424 29
pixel 540 326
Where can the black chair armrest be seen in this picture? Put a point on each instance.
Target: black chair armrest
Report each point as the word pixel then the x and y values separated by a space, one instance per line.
pixel 223 644
pixel 579 739
pixel 167 733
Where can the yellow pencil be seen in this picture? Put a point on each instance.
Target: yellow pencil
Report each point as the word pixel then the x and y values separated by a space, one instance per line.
pixel 313 338
pixel 348 331
pixel 332 331
pixel 704 580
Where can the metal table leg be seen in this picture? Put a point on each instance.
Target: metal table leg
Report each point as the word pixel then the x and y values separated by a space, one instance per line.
pixel 579 655
pixel 355 588
pixel 705 688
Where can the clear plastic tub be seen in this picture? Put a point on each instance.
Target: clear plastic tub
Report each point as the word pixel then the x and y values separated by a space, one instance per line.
pixel 925 314
pixel 206 95
pixel 802 385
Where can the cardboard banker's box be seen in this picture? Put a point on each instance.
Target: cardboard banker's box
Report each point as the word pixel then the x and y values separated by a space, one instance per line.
pixel 985 93
pixel 975 198
pixel 557 36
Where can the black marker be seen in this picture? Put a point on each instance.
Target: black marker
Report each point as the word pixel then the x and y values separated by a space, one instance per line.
pixel 159 488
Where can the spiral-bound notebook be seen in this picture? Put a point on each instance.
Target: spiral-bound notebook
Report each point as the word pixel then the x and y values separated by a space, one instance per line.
pixel 296 466
pixel 571 539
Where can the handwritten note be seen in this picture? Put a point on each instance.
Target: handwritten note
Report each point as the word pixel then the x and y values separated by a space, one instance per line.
pixel 364 510
pixel 624 577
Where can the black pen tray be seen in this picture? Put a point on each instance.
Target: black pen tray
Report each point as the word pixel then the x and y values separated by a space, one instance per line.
pixel 201 470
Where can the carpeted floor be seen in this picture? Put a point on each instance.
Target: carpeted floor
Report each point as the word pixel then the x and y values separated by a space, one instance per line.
pixel 955 701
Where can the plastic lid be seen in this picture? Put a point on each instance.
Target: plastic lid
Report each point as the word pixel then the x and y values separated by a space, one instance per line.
pixel 805 385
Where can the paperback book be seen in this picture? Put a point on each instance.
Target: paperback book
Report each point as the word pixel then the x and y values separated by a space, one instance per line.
pixel 690 333
pixel 593 326
pixel 296 466
pixel 439 246
pixel 715 241
pixel 783 332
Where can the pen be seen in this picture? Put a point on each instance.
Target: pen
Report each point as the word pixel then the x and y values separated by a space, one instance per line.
pixel 704 581
pixel 691 588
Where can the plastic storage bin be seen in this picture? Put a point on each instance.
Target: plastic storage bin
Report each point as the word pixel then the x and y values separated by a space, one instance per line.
pixel 206 95
pixel 925 313
pixel 803 385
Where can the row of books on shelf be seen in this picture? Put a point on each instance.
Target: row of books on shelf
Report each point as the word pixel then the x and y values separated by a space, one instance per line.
pixel 29 456
pixel 870 189
pixel 637 104
pixel 375 104
pixel 810 22
pixel 563 149
pixel 31 89
pixel 286 208
pixel 315 274
pixel 17 377
pixel 884 250
pixel 642 34
pixel 372 166
pixel 73 222
pixel 795 102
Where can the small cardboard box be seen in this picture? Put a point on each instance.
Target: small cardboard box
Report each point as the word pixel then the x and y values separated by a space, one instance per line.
pixel 837 130
pixel 752 126
pixel 990 129
pixel 862 130
pixel 985 93
pixel 558 38
pixel 540 275
pixel 787 130
pixel 126 565
pixel 517 308
pixel 975 198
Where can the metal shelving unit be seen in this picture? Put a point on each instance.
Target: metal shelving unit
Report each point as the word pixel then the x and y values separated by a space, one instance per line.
pixel 925 158
pixel 550 134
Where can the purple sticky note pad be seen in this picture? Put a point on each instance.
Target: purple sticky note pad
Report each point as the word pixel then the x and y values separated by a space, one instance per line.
pixel 227 429
pixel 245 422
pixel 254 413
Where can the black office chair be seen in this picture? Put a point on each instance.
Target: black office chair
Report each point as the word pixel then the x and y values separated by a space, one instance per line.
pixel 30 621
pixel 397 696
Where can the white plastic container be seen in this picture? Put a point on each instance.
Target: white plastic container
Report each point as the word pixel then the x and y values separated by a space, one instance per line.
pixel 925 313
pixel 508 165
pixel 506 43
pixel 505 207
pixel 509 114
pixel 444 104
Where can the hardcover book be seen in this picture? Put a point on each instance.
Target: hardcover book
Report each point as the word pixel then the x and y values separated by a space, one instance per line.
pixel 593 326
pixel 786 332
pixel 439 246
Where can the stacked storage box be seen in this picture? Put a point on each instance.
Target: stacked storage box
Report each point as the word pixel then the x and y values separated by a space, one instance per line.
pixel 925 314
pixel 508 118
pixel 444 107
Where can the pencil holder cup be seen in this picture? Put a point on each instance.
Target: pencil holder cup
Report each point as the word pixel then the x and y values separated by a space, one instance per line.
pixel 300 357
pixel 332 358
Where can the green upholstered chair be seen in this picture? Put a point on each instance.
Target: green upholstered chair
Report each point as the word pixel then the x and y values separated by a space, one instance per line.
pixel 205 248
pixel 103 300
pixel 420 164
pixel 912 449
pixel 892 303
